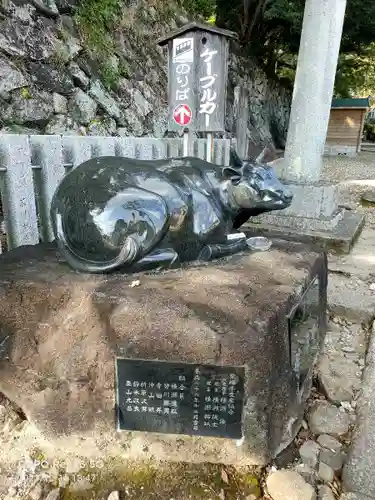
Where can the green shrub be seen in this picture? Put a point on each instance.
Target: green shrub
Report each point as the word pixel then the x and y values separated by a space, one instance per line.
pixel 369 131
pixel 97 20
pixel 205 8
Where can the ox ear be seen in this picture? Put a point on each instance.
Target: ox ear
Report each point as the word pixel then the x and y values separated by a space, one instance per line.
pixel 231 174
pixel 234 158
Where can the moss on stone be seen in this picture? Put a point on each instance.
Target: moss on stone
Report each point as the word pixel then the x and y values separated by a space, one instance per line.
pixel 25 93
pixel 152 480
pixel 109 75
pixel 98 21
pixel 60 56
pixel 97 31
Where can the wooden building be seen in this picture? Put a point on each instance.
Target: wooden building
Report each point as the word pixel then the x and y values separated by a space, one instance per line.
pixel 345 127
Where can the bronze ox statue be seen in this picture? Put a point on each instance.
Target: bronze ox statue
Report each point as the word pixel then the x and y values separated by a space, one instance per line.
pixel 114 213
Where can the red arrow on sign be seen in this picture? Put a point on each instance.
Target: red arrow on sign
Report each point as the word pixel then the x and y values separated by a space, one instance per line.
pixel 182 115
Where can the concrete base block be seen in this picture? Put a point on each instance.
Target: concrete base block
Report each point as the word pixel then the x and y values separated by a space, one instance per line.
pixel 339 238
pixel 314 208
pixel 312 201
pixel 304 223
pixel 353 301
pixel 313 217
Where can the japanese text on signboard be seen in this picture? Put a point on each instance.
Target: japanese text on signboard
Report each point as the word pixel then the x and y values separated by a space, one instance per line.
pixel 207 85
pixel 183 57
pixel 197 82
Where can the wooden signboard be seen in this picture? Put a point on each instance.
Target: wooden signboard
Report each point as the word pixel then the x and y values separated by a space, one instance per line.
pixel 197 79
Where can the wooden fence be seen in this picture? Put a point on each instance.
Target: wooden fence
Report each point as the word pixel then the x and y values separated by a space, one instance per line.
pixel 32 166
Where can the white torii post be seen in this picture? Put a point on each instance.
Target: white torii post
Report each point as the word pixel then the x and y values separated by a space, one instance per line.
pixel 314 213
pixel 313 89
pixel 338 8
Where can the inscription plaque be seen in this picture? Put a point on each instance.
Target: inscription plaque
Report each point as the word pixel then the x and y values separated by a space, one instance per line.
pixel 304 331
pixel 178 398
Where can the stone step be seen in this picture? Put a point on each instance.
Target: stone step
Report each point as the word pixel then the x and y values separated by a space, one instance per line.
pixel 368 146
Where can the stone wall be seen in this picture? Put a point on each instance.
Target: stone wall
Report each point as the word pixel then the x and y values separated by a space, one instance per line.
pixel 268 103
pixel 52 83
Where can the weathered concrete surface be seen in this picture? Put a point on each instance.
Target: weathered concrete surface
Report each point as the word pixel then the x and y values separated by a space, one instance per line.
pixel 350 292
pixel 351 298
pixel 361 261
pixel 64 330
pixel 339 371
pixel 358 474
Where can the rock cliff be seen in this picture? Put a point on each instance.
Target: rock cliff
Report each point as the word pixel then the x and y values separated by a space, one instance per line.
pixel 84 68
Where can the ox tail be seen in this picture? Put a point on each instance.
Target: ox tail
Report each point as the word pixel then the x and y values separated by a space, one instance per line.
pixel 127 255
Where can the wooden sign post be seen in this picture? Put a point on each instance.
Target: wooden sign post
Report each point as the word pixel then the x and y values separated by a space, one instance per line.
pixel 197 80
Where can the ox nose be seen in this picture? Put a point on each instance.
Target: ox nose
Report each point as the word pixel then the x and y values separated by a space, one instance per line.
pixel 289 195
pixel 285 193
pixel 285 196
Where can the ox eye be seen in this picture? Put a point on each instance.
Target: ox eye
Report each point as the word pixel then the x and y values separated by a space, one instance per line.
pixel 234 179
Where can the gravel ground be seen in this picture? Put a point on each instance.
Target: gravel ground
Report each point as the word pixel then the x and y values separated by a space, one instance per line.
pixel 343 168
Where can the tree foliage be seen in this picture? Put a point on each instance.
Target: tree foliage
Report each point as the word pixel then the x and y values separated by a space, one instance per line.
pixel 270 30
pixel 356 73
pixel 204 8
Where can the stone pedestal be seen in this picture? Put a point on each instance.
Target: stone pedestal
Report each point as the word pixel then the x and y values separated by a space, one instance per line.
pixel 261 316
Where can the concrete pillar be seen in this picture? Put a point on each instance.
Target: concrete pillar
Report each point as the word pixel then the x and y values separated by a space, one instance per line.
pixel 314 215
pixel 338 8
pixel 316 68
